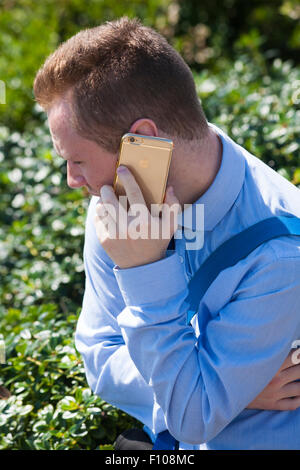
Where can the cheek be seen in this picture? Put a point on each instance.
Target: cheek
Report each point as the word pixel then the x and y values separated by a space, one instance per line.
pixel 103 174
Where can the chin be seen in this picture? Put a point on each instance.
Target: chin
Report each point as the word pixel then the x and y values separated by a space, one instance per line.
pixel 90 191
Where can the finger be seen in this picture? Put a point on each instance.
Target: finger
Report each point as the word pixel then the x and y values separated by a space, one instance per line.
pixel 104 223
pixel 102 212
pixel 288 361
pixel 103 217
pixel 288 404
pixel 109 201
pixel 133 191
pixel 100 228
pixel 295 358
pixel 290 390
pixel 291 374
pixel 115 218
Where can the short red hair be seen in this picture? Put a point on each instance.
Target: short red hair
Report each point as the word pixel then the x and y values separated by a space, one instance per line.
pixel 117 73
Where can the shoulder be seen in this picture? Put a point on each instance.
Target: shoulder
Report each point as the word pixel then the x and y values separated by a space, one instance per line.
pixel 286 247
pixel 272 268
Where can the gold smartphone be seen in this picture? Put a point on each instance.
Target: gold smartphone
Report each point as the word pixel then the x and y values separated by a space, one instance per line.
pixel 148 159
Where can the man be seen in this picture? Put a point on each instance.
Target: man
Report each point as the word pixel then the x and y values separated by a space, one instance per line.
pixel 139 352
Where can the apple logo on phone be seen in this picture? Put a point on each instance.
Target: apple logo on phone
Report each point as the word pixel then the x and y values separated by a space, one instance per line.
pixel 144 163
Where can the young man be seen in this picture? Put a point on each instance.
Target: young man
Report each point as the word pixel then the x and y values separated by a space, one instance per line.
pixel 139 352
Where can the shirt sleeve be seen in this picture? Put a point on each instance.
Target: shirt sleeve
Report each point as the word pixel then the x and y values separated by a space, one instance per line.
pixel 110 371
pixel 203 384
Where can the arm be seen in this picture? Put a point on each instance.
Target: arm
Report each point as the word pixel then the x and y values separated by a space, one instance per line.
pixel 235 357
pixel 109 368
pixel 201 385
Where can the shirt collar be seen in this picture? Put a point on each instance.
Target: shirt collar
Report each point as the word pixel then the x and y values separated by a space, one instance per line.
pixel 222 193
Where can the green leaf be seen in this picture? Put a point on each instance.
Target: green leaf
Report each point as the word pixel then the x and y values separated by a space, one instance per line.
pixel 24 410
pixel 69 414
pixel 106 447
pixel 296 177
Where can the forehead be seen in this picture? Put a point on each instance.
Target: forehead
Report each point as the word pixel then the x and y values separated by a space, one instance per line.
pixel 66 141
pixel 59 120
pixel 59 117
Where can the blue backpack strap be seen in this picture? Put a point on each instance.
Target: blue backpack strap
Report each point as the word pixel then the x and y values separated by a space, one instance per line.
pixel 164 441
pixel 233 250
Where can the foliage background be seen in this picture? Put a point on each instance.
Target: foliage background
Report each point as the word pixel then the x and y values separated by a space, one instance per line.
pixel 245 60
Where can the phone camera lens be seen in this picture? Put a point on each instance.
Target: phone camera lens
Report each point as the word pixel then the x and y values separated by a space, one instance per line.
pixel 132 139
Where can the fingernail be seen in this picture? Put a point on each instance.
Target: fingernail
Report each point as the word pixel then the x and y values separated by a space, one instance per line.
pixel 121 169
pixel 106 190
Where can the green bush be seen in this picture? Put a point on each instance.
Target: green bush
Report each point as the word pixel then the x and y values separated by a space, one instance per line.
pixel 51 406
pixel 41 243
pixel 42 224
pixel 259 107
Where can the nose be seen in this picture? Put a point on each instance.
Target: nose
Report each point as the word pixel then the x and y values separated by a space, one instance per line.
pixel 74 176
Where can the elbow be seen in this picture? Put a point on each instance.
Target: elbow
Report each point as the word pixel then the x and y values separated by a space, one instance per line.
pixel 187 435
pixel 102 390
pixel 192 428
pixel 94 373
pixel 91 369
pixel 95 381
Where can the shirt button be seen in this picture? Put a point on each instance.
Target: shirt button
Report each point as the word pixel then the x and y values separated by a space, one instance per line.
pixel 181 259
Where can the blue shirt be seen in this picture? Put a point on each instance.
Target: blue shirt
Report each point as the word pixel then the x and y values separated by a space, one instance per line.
pixel 196 380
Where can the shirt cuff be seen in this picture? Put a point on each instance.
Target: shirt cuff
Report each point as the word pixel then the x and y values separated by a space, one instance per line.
pixel 151 282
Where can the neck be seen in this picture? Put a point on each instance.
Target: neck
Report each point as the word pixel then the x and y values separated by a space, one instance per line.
pixel 194 167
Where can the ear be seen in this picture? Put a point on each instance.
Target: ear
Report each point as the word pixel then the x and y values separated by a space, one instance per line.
pixel 144 126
